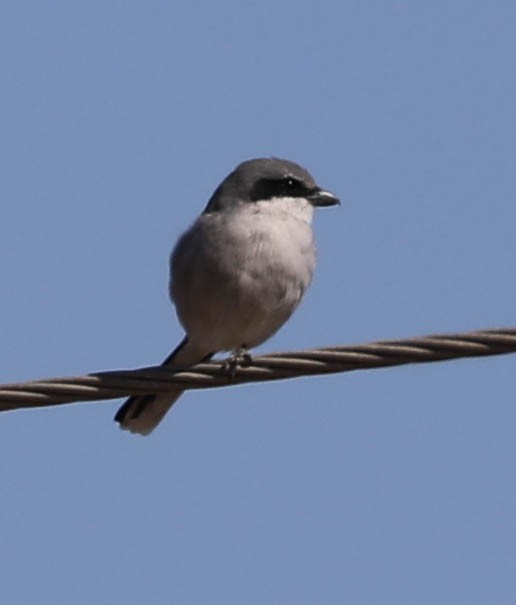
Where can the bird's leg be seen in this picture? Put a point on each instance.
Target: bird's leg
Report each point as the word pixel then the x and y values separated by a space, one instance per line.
pixel 239 357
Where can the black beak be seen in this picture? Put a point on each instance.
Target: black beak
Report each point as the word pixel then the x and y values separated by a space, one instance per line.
pixel 319 197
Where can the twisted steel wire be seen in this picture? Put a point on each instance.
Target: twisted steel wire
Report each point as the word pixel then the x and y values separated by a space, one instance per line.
pixel 277 366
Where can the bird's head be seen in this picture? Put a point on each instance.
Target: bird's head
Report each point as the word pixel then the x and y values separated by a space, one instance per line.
pixel 271 179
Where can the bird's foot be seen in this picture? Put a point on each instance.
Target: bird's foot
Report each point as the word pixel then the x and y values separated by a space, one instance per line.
pixel 239 357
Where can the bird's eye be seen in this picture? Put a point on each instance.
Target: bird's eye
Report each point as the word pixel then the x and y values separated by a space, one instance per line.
pixel 265 189
pixel 291 186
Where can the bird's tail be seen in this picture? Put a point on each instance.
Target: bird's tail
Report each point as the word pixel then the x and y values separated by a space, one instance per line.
pixel 142 413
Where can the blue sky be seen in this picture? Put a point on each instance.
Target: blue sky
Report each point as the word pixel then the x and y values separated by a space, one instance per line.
pixel 392 486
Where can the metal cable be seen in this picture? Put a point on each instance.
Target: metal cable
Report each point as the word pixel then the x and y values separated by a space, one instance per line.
pixel 122 383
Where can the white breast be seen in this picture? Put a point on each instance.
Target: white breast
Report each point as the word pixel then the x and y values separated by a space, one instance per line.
pixel 237 275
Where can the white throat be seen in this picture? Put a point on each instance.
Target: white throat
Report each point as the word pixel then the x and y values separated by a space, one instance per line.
pixel 294 207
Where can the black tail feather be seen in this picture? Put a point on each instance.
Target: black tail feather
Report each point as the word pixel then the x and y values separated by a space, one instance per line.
pixel 143 400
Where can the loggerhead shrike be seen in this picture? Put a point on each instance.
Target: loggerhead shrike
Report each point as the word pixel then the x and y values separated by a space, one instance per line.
pixel 239 272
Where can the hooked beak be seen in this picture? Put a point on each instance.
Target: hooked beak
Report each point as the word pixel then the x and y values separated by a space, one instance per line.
pixel 320 197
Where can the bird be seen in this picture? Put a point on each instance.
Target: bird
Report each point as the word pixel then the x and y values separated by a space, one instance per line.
pixel 239 272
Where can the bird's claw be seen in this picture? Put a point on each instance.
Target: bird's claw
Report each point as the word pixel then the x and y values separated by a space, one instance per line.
pixel 239 357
